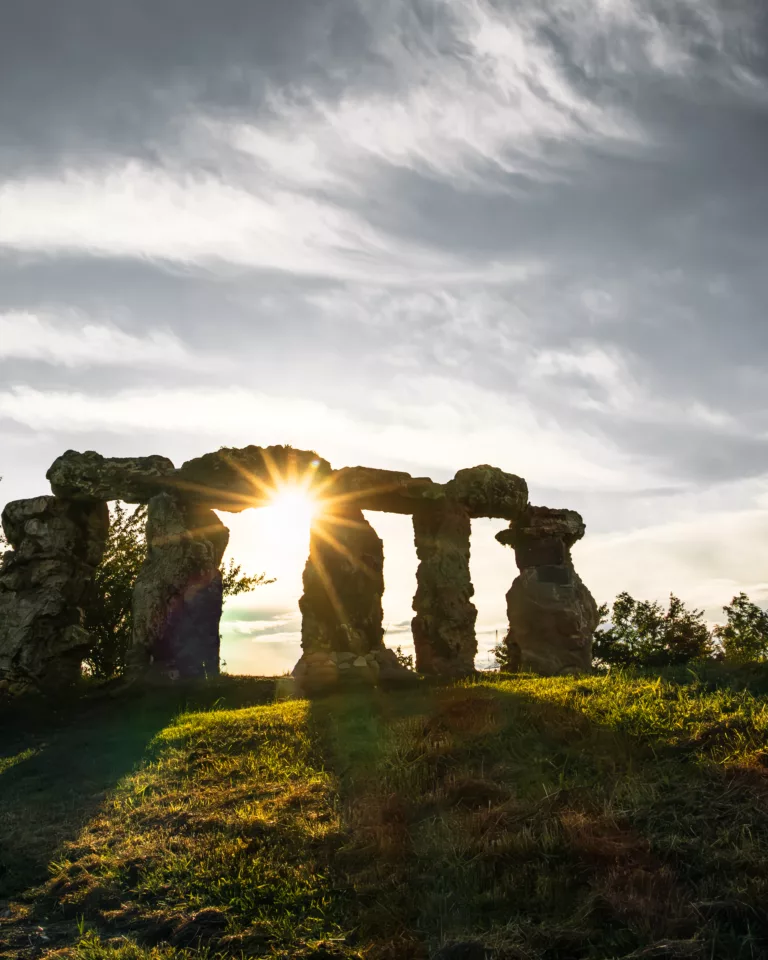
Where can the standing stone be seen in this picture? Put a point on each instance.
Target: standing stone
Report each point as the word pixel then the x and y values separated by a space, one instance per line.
pixel 552 615
pixel 45 581
pixel 444 625
pixel 342 634
pixel 177 598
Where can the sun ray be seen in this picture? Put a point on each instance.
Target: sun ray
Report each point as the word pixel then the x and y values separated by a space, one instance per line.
pixel 327 582
pixel 342 550
pixel 214 493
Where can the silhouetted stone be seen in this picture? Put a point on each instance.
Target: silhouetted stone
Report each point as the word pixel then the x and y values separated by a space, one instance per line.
pixel 486 491
pixel 235 479
pixel 552 616
pixel 444 625
pixel 342 635
pixel 341 604
pixel 177 598
pixel 178 594
pixel 390 491
pixel 44 583
pixel 89 476
pixel 543 523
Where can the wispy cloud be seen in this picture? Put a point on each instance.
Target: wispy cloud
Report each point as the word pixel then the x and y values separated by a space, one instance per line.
pixel 199 219
pixel 74 341
pixel 439 424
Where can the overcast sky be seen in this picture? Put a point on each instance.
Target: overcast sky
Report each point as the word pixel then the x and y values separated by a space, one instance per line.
pixel 419 235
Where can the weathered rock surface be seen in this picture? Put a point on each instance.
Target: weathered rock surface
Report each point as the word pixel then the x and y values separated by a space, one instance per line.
pixel 177 598
pixel 444 625
pixel 343 585
pixel 234 479
pixel 388 490
pixel 489 492
pixel 342 634
pixel 543 523
pixel 552 615
pixel 44 583
pixel 89 476
pixel 323 672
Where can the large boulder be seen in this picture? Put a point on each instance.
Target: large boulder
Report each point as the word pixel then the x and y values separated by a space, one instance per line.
pixel 89 476
pixel 487 491
pixel 45 582
pixel 552 615
pixel 177 598
pixel 234 479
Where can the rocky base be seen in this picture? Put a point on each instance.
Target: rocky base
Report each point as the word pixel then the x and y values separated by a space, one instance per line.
pixel 550 623
pixel 327 671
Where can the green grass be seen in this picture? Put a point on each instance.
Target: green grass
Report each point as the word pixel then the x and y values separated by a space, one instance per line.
pixel 565 819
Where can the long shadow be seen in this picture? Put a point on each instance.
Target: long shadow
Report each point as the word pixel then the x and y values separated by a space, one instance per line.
pixel 58 762
pixel 486 808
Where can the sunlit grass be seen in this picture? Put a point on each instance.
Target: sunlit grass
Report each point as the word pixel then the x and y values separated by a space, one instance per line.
pixel 564 819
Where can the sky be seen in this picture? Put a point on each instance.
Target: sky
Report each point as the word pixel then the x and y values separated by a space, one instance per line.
pixel 419 235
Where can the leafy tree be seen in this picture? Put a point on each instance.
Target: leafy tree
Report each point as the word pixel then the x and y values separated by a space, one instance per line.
pixel 643 634
pixel 744 637
pixel 108 613
pixel 503 658
pixel 404 659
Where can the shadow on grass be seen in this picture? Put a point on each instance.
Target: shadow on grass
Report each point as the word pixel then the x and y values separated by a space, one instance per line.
pixel 58 762
pixel 544 819
pixel 557 819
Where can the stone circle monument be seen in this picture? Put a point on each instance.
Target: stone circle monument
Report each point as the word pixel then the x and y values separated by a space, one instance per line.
pixel 58 540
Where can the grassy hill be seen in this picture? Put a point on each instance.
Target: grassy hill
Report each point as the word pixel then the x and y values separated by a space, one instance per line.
pixel 551 819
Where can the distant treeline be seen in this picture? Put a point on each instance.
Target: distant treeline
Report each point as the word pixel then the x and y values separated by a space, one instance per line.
pixel 638 633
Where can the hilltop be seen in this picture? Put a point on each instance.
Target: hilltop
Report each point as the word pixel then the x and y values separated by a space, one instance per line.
pixel 556 819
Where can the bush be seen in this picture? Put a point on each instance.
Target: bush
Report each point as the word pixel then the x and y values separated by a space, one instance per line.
pixel 744 637
pixel 643 634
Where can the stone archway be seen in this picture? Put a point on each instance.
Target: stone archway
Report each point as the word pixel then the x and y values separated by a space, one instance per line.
pixel 57 541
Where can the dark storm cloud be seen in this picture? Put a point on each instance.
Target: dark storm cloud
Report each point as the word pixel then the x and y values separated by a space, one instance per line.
pixel 87 77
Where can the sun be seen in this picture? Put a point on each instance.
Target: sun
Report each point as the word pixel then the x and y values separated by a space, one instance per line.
pixel 293 508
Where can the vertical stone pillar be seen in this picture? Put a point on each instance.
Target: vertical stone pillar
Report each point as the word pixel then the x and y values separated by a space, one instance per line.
pixel 177 597
pixel 44 583
pixel 342 634
pixel 552 615
pixel 444 625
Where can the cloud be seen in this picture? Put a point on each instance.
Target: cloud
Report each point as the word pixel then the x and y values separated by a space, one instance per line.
pixel 440 424
pixel 137 211
pixel 75 341
pixel 704 561
pixel 422 235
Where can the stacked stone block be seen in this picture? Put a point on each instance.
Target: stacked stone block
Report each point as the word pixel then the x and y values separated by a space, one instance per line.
pixel 552 615
pixel 57 542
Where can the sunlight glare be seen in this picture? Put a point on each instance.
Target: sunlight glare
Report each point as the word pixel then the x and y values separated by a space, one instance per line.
pixel 291 510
